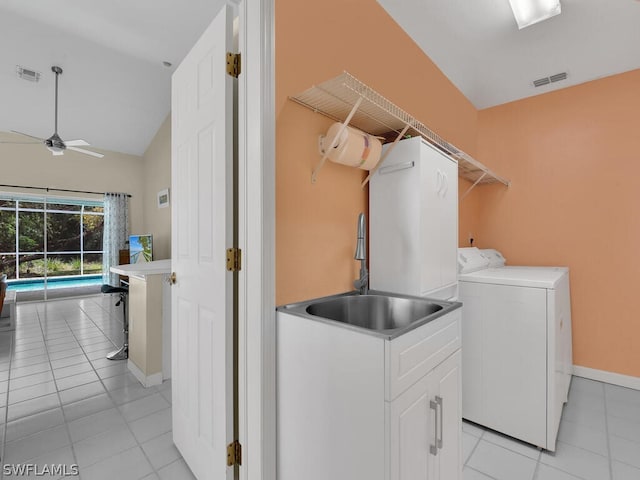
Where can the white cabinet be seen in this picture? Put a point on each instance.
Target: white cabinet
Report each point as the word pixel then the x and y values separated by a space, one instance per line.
pixel 448 380
pixel 425 426
pixel 357 406
pixel 414 220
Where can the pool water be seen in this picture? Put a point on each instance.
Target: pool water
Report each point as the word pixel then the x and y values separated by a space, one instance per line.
pixel 34 284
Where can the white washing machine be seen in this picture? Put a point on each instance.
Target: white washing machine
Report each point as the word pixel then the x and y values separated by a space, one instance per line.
pixel 516 345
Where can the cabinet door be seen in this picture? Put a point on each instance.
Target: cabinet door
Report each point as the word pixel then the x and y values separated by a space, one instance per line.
pixel 446 380
pixel 394 222
pixel 411 420
pixel 431 185
pixel 448 221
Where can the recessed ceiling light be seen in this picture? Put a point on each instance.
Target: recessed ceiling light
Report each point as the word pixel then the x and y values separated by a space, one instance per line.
pixel 27 74
pixel 528 12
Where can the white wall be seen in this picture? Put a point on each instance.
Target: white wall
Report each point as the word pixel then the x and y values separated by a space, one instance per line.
pixel 142 177
pixel 34 165
pixel 157 176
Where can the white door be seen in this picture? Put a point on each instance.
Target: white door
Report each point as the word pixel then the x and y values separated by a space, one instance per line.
pixel 432 182
pixel 448 221
pixel 202 306
pixel 413 437
pixel 448 383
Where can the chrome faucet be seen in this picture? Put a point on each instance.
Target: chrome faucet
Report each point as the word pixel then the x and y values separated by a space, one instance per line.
pixel 362 283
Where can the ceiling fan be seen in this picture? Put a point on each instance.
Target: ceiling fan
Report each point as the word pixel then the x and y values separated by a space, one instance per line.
pixel 54 143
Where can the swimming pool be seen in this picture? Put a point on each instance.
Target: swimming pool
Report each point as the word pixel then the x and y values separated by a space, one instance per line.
pixel 34 284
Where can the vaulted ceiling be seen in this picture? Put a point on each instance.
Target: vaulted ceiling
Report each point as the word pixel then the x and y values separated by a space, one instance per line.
pixel 115 90
pixel 478 46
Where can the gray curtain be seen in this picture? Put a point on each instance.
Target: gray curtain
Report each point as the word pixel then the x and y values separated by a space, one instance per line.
pixel 116 233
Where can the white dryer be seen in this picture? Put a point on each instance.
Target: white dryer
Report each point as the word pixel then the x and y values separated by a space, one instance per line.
pixel 516 346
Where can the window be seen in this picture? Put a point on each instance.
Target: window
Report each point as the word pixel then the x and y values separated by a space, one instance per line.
pixel 50 237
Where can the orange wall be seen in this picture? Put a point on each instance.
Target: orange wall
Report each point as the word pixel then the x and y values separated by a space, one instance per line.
pixel 574 162
pixel 315 41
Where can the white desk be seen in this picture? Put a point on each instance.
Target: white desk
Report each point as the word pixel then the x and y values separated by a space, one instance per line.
pixel 149 320
pixel 144 268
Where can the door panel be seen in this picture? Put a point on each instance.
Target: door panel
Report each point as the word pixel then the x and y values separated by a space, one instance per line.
pixel 448 377
pixel 412 434
pixel 449 221
pixel 430 227
pixel 514 370
pixel 202 215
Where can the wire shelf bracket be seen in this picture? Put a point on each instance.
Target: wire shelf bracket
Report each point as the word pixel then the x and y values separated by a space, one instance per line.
pixel 347 100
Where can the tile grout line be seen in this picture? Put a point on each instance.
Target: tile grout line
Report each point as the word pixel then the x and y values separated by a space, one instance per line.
pixel 536 470
pixel 66 422
pixel 6 414
pixel 41 321
pixel 606 429
pixel 105 310
pixel 138 444
pixel 473 449
pixel 481 472
pixel 64 417
pixel 6 402
pixel 577 447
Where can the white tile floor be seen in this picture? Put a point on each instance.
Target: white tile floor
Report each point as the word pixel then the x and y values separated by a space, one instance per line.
pixel 63 402
pixel 599 439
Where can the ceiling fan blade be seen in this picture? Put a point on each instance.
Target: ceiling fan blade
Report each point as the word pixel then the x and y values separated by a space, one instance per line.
pixel 57 153
pixel 76 143
pixel 21 143
pixel 27 135
pixel 87 152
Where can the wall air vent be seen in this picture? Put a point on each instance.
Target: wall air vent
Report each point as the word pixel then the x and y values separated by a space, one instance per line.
pixel 547 80
pixel 27 74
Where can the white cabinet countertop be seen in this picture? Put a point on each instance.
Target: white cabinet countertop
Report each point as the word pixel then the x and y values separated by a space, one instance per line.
pixel 144 268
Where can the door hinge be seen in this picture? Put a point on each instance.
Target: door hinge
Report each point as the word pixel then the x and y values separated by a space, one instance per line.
pixel 233 64
pixel 234 259
pixel 234 454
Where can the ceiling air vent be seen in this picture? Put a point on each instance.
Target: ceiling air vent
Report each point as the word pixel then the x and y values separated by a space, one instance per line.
pixel 547 80
pixel 558 76
pixel 27 74
pixel 541 81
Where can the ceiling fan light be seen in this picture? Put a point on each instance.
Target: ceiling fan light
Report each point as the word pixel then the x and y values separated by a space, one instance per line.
pixel 529 12
pixel 55 150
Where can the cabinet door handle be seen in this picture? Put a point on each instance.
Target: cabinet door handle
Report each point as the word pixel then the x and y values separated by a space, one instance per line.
pixel 396 168
pixel 433 449
pixel 445 184
pixel 440 403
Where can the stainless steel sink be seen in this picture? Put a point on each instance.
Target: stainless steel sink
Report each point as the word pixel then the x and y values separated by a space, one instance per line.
pixel 379 313
pixel 375 312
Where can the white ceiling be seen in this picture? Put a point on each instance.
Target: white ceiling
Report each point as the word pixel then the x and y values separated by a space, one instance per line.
pixel 477 44
pixel 114 92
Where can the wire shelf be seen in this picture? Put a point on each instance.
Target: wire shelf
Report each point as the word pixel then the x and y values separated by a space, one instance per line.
pixel 376 115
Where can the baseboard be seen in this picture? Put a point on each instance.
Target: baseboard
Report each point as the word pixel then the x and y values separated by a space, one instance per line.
pixel 607 377
pixel 146 381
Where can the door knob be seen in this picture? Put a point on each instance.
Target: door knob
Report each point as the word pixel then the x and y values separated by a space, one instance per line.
pixel 172 278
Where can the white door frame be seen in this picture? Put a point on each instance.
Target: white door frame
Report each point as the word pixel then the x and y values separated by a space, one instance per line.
pixel 256 141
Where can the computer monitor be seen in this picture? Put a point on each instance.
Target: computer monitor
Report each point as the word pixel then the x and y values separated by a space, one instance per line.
pixel 140 248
